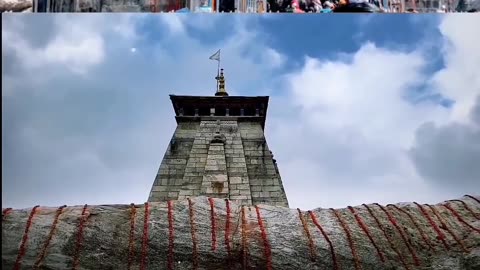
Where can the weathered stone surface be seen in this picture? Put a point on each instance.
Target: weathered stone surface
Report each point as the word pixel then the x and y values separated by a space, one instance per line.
pixel 272 238
pixel 15 5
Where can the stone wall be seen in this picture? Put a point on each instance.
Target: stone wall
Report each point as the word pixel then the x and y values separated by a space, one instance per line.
pixel 182 163
pixel 265 181
pixel 221 159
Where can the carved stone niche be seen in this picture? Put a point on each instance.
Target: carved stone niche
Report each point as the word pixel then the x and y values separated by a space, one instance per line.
pixel 218 138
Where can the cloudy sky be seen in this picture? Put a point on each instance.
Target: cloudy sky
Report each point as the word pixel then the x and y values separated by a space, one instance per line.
pixel 363 108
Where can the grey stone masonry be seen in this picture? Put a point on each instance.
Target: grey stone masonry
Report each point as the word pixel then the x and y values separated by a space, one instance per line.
pixel 215 178
pixel 170 175
pixel 265 181
pixel 220 156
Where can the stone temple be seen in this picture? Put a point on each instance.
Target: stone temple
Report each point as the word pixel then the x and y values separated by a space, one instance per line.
pixel 219 150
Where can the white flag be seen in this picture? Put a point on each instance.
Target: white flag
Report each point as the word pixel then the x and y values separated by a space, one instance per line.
pixel 215 56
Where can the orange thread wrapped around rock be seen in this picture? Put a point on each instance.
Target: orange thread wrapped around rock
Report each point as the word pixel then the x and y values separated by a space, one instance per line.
pixel 43 251
pixel 78 245
pixel 193 232
pixel 170 236
pixel 332 250
pixel 349 238
pixel 5 213
pixel 266 245
pixel 460 218
pixel 444 225
pixel 23 245
pixel 311 246
pixel 440 235
pixel 212 220
pixel 402 235
pixel 227 228
pixel 365 229
pixel 419 229
pixel 392 246
pixel 144 254
pixel 131 237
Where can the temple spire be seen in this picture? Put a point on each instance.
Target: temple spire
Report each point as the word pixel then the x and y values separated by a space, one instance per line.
pixel 221 85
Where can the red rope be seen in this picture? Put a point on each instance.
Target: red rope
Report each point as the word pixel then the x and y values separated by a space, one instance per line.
pixel 392 220
pixel 131 237
pixel 332 251
pixel 365 229
pixel 244 240
pixel 467 208
pixel 193 231
pixel 23 245
pixel 473 198
pixel 440 235
pixel 422 233
pixel 5 212
pixel 227 228
pixel 266 245
pixel 389 240
pixel 43 251
pixel 455 213
pixel 349 238
pixel 170 236
pixel 212 219
pixel 444 225
pixel 78 245
pixel 144 254
pixel 311 245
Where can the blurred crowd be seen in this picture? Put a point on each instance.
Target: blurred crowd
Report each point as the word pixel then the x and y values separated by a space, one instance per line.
pixel 245 6
pixel 370 6
pixel 326 6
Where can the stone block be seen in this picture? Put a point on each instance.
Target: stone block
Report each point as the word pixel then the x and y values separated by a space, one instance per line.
pixel 268 182
pixel 270 188
pixel 238 170
pixel 237 165
pixel 215 147
pixel 256 193
pixel 172 194
pixel 159 188
pixel 186 192
pixel 238 197
pixel 176 161
pixel 256 188
pixel 199 151
pixel 275 194
pixel 235 180
pixel 219 167
pixel 234 192
pixel 211 162
pixel 243 186
pixel 198 146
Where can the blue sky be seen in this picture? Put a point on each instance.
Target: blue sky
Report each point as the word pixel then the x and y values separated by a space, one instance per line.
pixel 363 108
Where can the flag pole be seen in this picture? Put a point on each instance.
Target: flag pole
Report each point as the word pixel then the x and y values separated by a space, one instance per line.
pixel 218 72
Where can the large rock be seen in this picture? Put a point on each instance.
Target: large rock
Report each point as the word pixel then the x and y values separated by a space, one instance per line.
pixel 196 234
pixel 15 5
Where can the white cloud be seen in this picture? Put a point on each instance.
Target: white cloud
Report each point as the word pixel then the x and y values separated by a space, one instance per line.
pixel 460 79
pixel 350 141
pixel 78 44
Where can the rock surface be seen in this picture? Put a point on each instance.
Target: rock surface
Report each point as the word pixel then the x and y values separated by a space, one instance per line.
pixel 15 5
pixel 196 234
